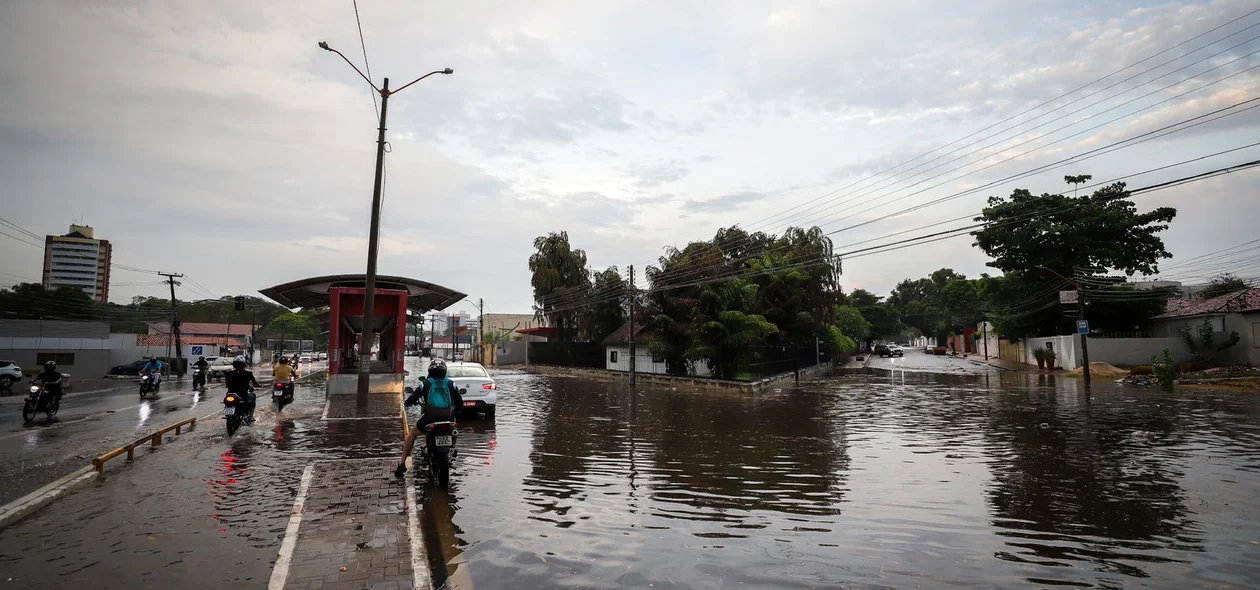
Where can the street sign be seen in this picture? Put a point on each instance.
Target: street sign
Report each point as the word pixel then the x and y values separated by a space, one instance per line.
pixel 1082 326
pixel 196 350
pixel 1069 297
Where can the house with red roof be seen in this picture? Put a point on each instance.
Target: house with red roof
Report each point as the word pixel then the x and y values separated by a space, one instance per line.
pixel 1234 312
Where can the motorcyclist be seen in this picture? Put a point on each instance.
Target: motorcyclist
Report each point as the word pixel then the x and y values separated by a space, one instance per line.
pixel 202 364
pixel 284 371
pixel 153 367
pixel 430 413
pixel 50 379
pixel 239 380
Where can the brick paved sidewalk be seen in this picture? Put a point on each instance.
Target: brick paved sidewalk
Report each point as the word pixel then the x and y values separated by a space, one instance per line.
pixel 356 530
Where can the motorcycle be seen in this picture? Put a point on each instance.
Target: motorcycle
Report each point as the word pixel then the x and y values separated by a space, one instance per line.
pixel 282 394
pixel 39 400
pixel 148 384
pixel 439 449
pixel 199 379
pixel 237 411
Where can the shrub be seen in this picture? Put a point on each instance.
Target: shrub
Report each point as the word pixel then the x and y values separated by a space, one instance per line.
pixel 1142 370
pixel 1051 356
pixel 1165 370
pixel 1192 366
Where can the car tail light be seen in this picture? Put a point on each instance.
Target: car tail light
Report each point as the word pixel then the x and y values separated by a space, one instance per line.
pixel 489 386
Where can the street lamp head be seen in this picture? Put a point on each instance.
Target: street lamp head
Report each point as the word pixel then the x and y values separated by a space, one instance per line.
pixel 448 71
pixel 324 45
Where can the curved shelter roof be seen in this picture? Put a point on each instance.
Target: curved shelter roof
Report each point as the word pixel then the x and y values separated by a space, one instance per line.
pixel 313 292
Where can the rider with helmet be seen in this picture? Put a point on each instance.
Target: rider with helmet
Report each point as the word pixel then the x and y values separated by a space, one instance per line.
pixel 284 371
pixel 239 380
pixel 50 379
pixel 202 364
pixel 435 383
pixel 154 367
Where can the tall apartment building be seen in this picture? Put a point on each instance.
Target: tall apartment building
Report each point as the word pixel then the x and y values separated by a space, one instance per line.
pixel 78 259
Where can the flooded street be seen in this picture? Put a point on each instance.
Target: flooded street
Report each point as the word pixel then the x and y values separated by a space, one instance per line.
pixel 872 480
pixel 898 480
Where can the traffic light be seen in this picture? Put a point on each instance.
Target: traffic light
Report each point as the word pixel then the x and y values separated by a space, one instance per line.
pixel 240 303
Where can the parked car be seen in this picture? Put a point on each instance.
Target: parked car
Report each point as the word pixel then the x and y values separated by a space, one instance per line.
pixel 483 392
pixel 881 350
pixel 132 368
pixel 10 373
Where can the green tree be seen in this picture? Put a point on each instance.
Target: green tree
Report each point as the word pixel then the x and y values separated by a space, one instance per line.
pixel 606 316
pixel 1034 238
pixel 293 326
pixel 724 330
pixel 561 281
pixel 1223 284
pixel 851 323
pixel 33 301
pixel 883 319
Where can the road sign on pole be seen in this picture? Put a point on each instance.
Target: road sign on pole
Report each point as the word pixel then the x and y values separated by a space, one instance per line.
pixel 1082 326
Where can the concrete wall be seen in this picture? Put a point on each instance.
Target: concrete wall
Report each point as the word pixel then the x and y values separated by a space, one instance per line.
pixel 1247 351
pixel 509 353
pixel 1066 349
pixel 1127 352
pixel 644 363
pixel 1171 328
pixel 84 343
pixel 694 383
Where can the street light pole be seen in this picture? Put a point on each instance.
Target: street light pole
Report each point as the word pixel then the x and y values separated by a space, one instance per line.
pixel 367 338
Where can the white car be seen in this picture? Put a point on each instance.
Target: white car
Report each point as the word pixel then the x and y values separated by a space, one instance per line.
pixel 483 392
pixel 306 358
pixel 10 373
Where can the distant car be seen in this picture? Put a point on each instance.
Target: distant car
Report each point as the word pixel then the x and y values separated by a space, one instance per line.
pixel 483 392
pixel 218 367
pixel 881 350
pixel 896 350
pixel 10 373
pixel 132 368
pixel 306 358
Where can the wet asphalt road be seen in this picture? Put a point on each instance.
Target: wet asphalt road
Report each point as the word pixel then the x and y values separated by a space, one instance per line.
pixel 879 479
pixel 88 424
pixel 916 360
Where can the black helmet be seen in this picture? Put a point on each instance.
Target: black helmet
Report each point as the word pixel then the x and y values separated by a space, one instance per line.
pixel 238 363
pixel 201 358
pixel 437 369
pixel 284 360
pixel 50 366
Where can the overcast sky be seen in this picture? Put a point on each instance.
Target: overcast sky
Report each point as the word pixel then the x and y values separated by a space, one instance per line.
pixel 216 139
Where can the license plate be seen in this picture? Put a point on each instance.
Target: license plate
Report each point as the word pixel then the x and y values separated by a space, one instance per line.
pixel 469 404
pixel 278 393
pixel 443 441
pixel 228 411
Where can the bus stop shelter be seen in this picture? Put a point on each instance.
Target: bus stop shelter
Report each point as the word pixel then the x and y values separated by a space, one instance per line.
pixel 343 296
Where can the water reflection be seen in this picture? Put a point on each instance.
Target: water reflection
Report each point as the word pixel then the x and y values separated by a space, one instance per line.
pixel 894 480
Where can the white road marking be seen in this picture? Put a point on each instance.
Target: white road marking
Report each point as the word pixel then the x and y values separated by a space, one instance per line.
pixel 281 572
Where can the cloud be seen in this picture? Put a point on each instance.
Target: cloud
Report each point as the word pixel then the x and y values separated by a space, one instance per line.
pixel 655 174
pixel 723 203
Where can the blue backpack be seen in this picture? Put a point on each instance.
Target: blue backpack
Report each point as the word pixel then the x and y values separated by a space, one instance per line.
pixel 439 394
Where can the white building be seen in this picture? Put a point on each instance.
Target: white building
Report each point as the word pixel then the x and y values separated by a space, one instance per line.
pixel 617 355
pixel 78 259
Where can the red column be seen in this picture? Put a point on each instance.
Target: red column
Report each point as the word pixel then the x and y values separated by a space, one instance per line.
pixel 334 332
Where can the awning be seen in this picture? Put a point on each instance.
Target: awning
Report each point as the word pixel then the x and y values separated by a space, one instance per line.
pixel 544 332
pixel 312 293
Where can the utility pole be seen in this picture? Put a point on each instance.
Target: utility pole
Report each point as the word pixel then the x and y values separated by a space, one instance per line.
pixel 481 328
pixel 253 332
pixel 368 337
pixel 179 353
pixel 633 358
pixel 984 327
pixel 1084 335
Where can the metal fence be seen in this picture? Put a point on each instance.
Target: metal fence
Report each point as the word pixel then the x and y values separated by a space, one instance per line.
pixel 767 361
pixel 567 354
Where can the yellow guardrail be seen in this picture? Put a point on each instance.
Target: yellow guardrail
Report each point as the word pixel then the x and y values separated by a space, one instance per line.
pixel 155 439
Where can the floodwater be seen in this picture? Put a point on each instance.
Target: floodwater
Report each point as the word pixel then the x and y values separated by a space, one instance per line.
pixel 885 480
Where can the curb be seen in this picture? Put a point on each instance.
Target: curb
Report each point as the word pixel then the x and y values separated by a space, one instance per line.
pixel 29 504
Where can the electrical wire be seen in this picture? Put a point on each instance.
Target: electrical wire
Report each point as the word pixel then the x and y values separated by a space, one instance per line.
pixel 363 45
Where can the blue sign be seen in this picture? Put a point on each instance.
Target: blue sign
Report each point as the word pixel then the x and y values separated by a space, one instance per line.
pixel 1082 326
pixel 196 350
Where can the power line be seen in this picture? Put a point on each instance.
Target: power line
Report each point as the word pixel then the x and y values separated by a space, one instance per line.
pixel 363 45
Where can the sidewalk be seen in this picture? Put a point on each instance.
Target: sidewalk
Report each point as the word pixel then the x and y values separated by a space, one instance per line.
pixel 1004 364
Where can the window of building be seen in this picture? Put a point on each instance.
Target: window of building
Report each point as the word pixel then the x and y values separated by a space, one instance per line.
pixel 612 356
pixel 61 358
pixel 657 357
